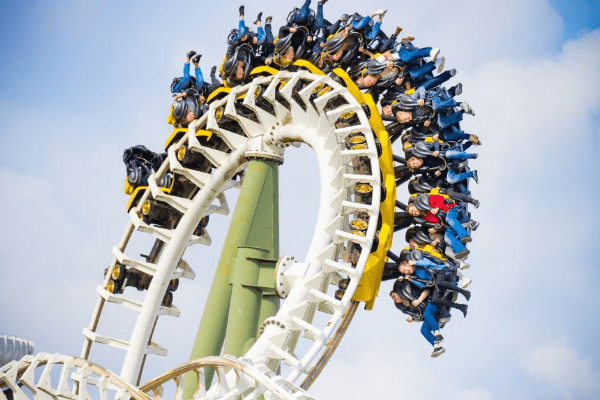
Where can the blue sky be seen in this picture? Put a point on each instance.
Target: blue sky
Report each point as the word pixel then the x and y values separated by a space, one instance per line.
pixel 82 81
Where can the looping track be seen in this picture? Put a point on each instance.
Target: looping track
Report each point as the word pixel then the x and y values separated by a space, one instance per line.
pixel 259 119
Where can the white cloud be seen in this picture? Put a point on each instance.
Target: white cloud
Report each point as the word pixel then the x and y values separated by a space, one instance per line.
pixel 560 366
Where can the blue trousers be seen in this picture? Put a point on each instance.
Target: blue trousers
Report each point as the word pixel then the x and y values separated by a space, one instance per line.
pixel 457 155
pixel 430 323
pixel 242 30
pixel 455 177
pixel 299 17
pixel 454 134
pixel 418 71
pixel 408 56
pixel 373 32
pixel 429 81
pixel 184 83
pixel 445 120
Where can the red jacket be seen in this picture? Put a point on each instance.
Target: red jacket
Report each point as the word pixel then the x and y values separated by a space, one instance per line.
pixel 437 201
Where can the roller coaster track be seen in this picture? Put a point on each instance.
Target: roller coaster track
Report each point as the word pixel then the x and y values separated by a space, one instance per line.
pixel 259 119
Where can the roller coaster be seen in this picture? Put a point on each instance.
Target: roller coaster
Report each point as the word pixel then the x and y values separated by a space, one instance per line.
pixel 240 141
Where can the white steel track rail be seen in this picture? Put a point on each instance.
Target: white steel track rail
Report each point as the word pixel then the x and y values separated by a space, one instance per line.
pixel 304 108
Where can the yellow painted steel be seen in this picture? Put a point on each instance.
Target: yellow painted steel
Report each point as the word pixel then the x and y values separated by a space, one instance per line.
pixel 309 66
pixel 368 287
pixel 179 132
pixel 217 94
pixel 263 69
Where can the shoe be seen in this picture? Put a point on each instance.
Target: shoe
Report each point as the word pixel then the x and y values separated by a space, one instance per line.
pixel 434 53
pixel 463 308
pixel 398 30
pixel 466 239
pixel 476 203
pixel 476 177
pixel 241 12
pixel 437 351
pixel 474 226
pixel 268 20
pixel 463 265
pixel 474 138
pixel 213 70
pixel 464 282
pixel 453 73
pixel 258 18
pixel 440 64
pixel 467 108
pixel 381 12
pixel 408 39
pixel 474 156
pixel 190 54
pixel 196 58
pixel 323 2
pixel 438 339
pixel 462 254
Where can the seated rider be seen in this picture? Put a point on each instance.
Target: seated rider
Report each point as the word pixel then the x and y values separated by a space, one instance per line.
pixel 187 101
pixel 404 296
pixel 426 273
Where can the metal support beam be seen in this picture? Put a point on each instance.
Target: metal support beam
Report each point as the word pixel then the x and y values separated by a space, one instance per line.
pixel 255 225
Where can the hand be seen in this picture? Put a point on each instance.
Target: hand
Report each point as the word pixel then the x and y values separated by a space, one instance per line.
pixel 309 39
pixel 421 102
pixel 427 123
pixel 389 64
pixel 269 60
pixel 436 137
pixel 293 30
pixel 411 262
pixel 434 211
pixel 438 173
pixel 409 319
pixel 361 49
pixel 399 81
pixel 416 303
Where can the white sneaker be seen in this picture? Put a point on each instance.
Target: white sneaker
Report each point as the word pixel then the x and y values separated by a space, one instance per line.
pixel 434 53
pixel 381 12
pixel 468 110
pixel 463 265
pixel 440 64
pixel 464 282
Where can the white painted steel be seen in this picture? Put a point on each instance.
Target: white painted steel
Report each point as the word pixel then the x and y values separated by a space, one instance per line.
pixel 311 123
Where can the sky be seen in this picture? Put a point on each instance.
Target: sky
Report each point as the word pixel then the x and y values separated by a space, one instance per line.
pixel 82 81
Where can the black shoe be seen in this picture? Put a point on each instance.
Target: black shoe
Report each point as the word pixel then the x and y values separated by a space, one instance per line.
pixel 476 177
pixel 213 70
pixel 476 203
pixel 190 54
pixel 466 293
pixel 438 351
pixel 258 18
pixel 474 226
pixel 474 156
pixel 196 58
pixel 242 12
pixel 323 2
pixel 463 308
pixel 439 339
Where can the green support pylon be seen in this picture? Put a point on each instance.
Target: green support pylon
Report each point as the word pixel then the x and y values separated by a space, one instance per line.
pixel 242 294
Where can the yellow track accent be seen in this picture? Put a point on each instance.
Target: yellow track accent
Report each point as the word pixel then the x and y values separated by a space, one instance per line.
pixel 368 287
